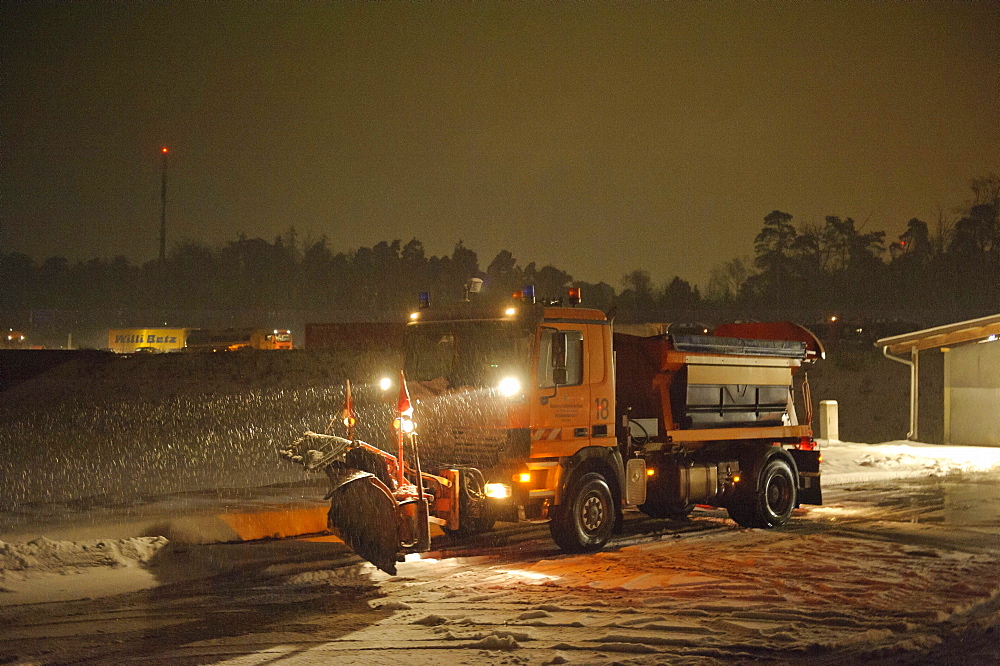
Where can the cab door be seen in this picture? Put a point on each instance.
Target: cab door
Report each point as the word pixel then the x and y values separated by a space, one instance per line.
pixel 561 409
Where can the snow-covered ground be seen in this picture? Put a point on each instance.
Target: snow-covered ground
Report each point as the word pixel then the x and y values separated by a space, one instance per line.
pixel 51 545
pixel 850 462
pixel 811 589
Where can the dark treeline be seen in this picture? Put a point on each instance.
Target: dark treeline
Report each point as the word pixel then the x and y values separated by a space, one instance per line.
pixel 932 272
pixel 256 275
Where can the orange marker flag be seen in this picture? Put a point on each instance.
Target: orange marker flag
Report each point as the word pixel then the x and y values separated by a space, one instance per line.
pixel 403 406
pixel 348 413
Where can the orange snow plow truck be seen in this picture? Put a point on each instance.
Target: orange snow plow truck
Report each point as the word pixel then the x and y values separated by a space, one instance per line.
pixel 540 410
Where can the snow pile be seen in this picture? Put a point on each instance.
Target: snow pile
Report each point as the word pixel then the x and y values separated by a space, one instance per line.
pixel 46 555
pixel 851 462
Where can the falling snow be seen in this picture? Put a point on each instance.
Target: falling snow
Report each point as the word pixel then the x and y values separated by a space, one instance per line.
pixel 111 509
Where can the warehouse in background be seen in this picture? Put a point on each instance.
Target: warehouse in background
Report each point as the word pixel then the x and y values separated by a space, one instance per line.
pixel 158 340
pixel 971 400
pixel 132 340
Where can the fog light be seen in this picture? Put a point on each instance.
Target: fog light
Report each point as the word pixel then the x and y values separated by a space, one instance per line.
pixel 497 490
pixel 650 471
pixel 406 425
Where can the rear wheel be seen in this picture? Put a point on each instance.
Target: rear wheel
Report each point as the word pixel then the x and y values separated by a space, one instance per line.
pixel 584 521
pixel 768 502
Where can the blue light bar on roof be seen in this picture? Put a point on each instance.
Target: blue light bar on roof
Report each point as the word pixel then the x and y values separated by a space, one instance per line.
pixel 528 293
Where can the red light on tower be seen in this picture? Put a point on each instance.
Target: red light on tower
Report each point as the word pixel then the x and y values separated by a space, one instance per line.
pixel 163 205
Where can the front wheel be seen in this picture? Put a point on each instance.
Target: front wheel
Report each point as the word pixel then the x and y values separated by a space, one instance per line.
pixel 584 521
pixel 771 502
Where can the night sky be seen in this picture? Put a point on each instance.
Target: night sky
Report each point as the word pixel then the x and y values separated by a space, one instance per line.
pixel 596 137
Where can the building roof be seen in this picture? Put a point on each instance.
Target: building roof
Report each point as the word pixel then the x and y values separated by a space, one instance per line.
pixel 942 336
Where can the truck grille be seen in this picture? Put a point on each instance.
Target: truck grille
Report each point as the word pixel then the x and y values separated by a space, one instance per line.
pixel 467 429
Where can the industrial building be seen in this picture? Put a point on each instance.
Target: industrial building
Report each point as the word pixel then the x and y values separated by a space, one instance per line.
pixel 971 382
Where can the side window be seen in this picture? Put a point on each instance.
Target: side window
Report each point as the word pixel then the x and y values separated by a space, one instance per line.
pixel 560 358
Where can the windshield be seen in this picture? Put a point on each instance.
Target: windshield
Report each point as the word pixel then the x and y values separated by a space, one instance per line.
pixel 476 354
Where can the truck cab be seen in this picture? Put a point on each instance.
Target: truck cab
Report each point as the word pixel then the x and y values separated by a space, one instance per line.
pixel 522 392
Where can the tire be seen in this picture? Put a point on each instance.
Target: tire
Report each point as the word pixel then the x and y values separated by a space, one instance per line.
pixel 584 521
pixel 769 502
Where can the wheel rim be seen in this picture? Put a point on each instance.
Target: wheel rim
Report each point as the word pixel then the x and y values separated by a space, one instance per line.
pixel 778 495
pixel 592 513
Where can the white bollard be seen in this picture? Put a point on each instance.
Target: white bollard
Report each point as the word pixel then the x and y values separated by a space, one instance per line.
pixel 829 422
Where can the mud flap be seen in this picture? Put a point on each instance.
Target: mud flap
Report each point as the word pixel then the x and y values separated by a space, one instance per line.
pixel 363 511
pixel 808 465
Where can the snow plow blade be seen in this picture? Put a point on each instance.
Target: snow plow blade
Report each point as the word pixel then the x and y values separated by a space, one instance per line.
pixel 363 511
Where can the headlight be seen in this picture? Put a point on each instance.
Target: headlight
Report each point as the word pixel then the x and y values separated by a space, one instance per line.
pixel 385 383
pixel 497 490
pixel 509 386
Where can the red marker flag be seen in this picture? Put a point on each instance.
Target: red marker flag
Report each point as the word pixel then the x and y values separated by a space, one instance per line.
pixel 348 413
pixel 403 406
